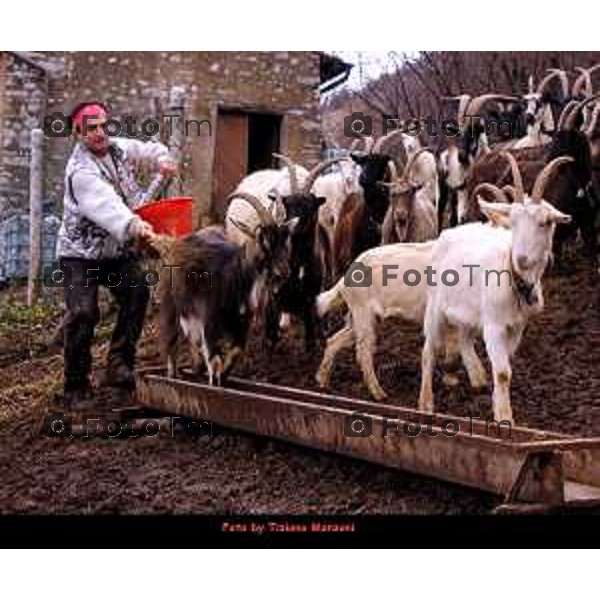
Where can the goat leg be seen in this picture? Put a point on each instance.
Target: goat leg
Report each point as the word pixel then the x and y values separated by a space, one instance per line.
pixel 310 327
pixel 272 318
pixel 196 359
pixel 590 242
pixel 499 350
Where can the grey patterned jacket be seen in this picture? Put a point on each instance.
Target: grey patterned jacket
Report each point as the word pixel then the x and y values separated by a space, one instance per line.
pixel 97 206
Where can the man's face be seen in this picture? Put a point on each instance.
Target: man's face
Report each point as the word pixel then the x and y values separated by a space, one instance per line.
pixel 92 133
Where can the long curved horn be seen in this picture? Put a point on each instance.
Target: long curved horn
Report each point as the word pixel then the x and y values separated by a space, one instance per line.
pixel 552 73
pixel 584 77
pixel 355 143
pixel 369 141
pixel 566 111
pixel 316 171
pixel 593 121
pixel 386 139
pixel 569 122
pixel 593 69
pixel 463 102
pixel 264 215
pixel 539 187
pixel 564 81
pixel 291 165
pixel 498 194
pixel 393 170
pixel 411 162
pixel 511 193
pixel 516 175
pixel 478 102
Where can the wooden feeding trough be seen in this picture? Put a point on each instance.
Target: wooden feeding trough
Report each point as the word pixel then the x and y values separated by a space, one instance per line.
pixel 531 470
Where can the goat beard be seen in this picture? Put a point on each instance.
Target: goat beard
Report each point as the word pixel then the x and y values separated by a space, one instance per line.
pixel 401 232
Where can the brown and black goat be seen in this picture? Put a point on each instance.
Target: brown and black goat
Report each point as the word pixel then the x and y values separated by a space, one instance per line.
pixel 210 299
pixel 571 191
pixel 310 257
pixel 362 214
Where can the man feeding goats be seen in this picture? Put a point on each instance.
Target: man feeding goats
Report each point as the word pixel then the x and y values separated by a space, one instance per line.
pixel 94 248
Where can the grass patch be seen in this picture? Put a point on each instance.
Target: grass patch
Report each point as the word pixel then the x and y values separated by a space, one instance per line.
pixel 16 316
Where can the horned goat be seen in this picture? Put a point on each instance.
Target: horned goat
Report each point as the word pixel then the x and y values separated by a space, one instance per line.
pixel 498 312
pixel 572 191
pixel 411 216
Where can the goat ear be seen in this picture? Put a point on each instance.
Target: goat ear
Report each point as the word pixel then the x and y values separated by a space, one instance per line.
pixel 559 217
pixel 497 212
pixel 321 200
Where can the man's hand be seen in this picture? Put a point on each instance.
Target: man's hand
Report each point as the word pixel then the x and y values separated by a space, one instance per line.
pixel 140 229
pixel 168 168
pixel 144 238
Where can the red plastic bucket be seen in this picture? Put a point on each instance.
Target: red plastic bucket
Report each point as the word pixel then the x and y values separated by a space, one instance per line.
pixel 171 216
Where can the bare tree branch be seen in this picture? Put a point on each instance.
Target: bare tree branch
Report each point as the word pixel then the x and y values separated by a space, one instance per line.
pixel 402 83
pixel 440 79
pixel 423 81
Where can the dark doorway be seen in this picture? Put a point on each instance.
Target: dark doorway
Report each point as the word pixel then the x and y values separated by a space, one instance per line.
pixel 245 143
pixel 263 140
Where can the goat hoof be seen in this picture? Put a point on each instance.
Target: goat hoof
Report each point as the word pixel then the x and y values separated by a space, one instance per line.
pixel 503 413
pixel 426 405
pixel 322 381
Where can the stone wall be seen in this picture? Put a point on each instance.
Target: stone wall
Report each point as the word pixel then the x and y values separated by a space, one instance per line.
pixel 142 84
pixel 22 107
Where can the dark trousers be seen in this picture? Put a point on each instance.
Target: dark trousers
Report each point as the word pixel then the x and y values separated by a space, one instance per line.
pixel 122 277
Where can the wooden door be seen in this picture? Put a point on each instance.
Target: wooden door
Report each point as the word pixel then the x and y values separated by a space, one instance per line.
pixel 231 158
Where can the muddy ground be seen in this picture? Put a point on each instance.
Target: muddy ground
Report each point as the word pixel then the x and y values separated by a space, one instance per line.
pixel 556 386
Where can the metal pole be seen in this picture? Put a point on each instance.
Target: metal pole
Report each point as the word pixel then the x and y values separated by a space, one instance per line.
pixel 177 141
pixel 35 213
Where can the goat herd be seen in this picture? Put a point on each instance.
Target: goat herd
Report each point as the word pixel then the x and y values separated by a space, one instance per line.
pixel 456 241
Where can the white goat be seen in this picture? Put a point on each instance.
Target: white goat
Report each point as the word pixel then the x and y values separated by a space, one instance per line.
pixel 513 259
pixel 268 186
pixel 380 300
